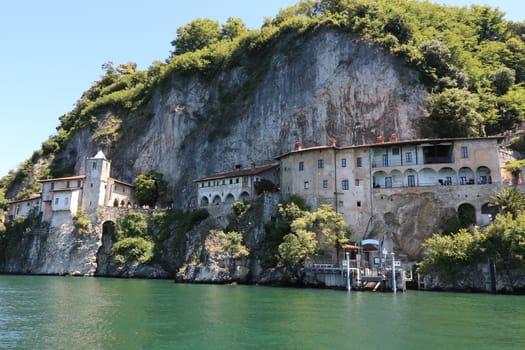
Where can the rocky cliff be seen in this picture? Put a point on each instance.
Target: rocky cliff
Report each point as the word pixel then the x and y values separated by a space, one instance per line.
pixel 325 84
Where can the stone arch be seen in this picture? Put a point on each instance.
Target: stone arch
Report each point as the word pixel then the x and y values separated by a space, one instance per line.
pixel 410 178
pixel 483 175
pixel 216 200
pixel 205 201
pixel 229 199
pixel 466 176
pixel 397 178
pixel 489 209
pixel 467 214
pixel 108 228
pixel 447 176
pixel 427 177
pixel 379 179
pixel 245 196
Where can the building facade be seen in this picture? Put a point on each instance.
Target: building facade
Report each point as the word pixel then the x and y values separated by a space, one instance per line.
pixel 69 194
pixel 361 182
pixel 238 185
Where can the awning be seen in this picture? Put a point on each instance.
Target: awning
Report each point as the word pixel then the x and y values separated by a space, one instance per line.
pixel 370 244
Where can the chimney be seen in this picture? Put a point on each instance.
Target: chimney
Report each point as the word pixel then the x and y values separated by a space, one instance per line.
pixel 298 146
pixel 253 165
pixel 238 166
pixel 393 137
pixel 333 142
pixel 380 139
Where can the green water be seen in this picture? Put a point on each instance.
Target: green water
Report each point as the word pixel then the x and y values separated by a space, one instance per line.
pixel 96 313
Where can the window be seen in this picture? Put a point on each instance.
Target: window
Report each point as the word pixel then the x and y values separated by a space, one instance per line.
pixel 68 184
pixel 359 162
pixel 209 183
pixel 306 185
pixel 237 180
pixel 411 180
pixel 395 151
pixel 202 184
pixel 343 163
pixel 320 163
pixel 325 183
pixel 388 181
pixel 358 203
pixel 52 185
pixel 66 201
pixel 408 157
pixel 56 201
pixel 301 166
pixel 385 159
pixel 94 165
pixel 231 181
pixel 464 152
pixel 357 182
pixel 79 183
pixel 345 185
pixel 463 180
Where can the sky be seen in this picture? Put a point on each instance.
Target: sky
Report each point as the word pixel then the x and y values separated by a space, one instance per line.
pixel 52 51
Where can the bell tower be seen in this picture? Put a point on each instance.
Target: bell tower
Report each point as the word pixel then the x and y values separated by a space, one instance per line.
pixel 96 181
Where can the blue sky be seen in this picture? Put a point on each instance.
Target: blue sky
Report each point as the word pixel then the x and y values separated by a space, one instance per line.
pixel 53 50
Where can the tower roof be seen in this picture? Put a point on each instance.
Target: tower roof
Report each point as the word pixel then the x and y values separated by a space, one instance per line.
pixel 100 155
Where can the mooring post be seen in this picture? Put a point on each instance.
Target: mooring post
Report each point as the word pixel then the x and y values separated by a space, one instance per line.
pixel 394 286
pixel 348 284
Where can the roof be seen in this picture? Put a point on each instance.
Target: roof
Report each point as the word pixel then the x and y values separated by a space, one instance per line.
pixel 390 143
pixel 122 182
pixel 237 173
pixel 78 177
pixel 100 155
pixel 25 200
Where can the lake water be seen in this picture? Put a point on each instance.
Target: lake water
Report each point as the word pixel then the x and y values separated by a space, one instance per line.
pixel 38 312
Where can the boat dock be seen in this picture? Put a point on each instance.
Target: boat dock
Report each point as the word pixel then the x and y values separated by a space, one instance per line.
pixel 363 267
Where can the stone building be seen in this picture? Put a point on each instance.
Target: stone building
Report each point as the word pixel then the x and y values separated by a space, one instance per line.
pixel 237 185
pixel 68 194
pixel 398 188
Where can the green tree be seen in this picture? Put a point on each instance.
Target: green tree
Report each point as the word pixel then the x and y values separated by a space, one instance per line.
pixel 502 80
pixel 449 255
pixel 233 28
pixel 149 188
pixel 196 35
pixel 505 243
pixel 452 113
pixel 312 233
pixel 509 200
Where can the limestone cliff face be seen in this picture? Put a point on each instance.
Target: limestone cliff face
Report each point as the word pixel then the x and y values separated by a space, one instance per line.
pixel 309 89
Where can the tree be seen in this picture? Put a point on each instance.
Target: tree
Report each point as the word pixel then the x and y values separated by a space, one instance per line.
pixel 196 35
pixel 149 188
pixel 312 233
pixel 510 200
pixel 233 28
pixel 505 243
pixel 452 113
pixel 502 80
pixel 449 255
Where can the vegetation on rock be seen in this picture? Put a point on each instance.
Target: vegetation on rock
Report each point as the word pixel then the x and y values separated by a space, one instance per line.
pixel 150 187
pixel 502 241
